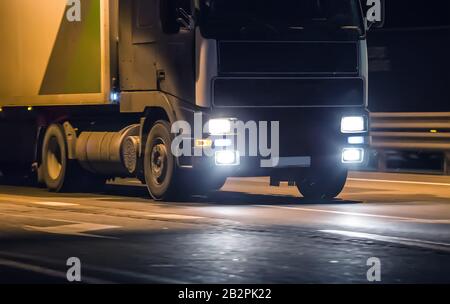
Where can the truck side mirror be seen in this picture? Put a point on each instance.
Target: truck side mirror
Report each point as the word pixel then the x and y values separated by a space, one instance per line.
pixel 374 11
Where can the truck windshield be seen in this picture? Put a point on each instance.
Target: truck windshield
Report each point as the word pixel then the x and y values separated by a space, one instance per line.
pixel 281 19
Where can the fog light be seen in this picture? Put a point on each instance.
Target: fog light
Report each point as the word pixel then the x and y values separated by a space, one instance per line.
pixel 353 124
pixel 352 156
pixel 227 158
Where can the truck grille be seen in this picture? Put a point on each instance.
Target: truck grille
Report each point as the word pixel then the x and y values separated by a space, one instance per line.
pixel 288 58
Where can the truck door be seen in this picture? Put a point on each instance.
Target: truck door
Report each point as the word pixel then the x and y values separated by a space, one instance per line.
pixel 176 60
pixel 139 36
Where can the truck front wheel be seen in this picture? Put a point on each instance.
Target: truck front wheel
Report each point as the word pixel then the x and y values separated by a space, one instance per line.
pixel 159 163
pixel 323 184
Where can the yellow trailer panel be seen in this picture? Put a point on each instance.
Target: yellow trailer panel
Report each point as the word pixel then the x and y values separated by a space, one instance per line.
pixel 55 52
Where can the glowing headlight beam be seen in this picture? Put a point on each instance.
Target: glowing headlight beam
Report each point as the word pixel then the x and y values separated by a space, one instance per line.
pixel 353 155
pixel 227 158
pixel 353 124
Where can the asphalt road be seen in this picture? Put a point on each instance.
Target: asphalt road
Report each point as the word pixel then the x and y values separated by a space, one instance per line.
pixel 246 233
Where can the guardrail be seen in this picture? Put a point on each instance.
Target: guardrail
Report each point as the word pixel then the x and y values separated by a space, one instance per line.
pixel 412 132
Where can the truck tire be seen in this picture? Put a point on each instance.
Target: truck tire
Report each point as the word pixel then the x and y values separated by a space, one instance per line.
pixel 160 169
pixel 323 184
pixel 61 174
pixel 56 167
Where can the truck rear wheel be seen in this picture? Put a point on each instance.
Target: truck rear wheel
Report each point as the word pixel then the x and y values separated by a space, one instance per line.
pixel 59 173
pixel 55 163
pixel 161 174
pixel 323 184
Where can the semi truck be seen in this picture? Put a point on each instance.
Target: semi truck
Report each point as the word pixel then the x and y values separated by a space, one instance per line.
pixel 93 90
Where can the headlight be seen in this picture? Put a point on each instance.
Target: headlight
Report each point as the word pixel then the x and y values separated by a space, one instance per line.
pixel 353 156
pixel 353 124
pixel 227 158
pixel 219 126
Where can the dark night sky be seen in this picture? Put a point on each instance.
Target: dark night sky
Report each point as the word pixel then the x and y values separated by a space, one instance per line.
pixel 417 13
pixel 409 58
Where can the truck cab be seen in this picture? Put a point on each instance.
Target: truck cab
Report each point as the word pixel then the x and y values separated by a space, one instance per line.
pixel 296 68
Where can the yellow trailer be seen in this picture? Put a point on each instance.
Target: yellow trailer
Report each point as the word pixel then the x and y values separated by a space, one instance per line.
pixel 57 52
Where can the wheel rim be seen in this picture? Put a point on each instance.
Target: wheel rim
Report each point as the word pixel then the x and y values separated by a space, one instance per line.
pixel 54 159
pixel 159 160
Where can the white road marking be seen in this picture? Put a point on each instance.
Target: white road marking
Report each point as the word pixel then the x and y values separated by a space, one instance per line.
pixel 36 217
pixel 78 229
pixel 400 218
pixel 55 204
pixel 398 182
pixel 45 271
pixel 24 200
pixel 172 216
pixel 47 200
pixel 391 239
